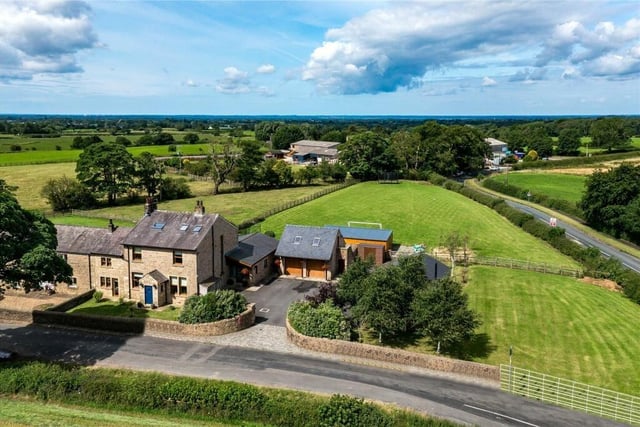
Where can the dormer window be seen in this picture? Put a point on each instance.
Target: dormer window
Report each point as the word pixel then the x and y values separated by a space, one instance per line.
pixel 297 240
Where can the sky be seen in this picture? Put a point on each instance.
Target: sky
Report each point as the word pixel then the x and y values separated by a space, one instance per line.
pixel 426 58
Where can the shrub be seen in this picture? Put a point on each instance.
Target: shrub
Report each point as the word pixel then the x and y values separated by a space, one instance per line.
pixel 174 188
pixel 97 296
pixel 324 321
pixel 64 194
pixel 346 411
pixel 212 307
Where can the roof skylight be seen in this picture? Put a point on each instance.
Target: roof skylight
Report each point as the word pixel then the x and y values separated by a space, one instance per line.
pixel 158 225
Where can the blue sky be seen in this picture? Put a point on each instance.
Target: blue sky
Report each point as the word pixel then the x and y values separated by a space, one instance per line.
pixel 326 58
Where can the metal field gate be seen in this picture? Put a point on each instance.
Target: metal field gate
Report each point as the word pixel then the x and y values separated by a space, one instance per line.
pixel 571 394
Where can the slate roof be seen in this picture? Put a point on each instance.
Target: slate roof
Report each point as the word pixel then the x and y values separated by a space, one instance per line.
pixel 90 240
pixel 252 248
pixel 297 241
pixel 171 230
pixel 362 233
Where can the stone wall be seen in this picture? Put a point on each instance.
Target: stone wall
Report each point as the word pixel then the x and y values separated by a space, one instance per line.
pixel 134 325
pixel 390 355
pixel 14 316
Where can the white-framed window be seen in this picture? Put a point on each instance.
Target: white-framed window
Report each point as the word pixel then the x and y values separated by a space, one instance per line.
pixel 135 279
pixel 174 285
pixel 183 286
pixel 74 283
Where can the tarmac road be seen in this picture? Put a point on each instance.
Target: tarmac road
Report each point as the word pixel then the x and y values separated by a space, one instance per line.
pixel 439 396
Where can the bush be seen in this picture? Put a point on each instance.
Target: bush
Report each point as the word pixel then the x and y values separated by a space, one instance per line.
pixel 64 194
pixel 97 296
pixel 174 188
pixel 324 321
pixel 212 307
pixel 346 411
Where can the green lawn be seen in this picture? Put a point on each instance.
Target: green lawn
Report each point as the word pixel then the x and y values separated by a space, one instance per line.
pixel 124 309
pixel 559 326
pixel 553 185
pixel 22 412
pixel 421 213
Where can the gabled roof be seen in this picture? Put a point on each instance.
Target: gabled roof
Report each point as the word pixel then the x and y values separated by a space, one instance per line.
pixel 157 276
pixel 90 240
pixel 298 241
pixel 362 233
pixel 171 230
pixel 252 248
pixel 495 142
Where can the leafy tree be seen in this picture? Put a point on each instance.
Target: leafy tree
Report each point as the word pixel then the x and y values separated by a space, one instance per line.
pixel 409 149
pixel 468 147
pixel 212 307
pixel 145 139
pixel 306 174
pixel 264 130
pixel 174 188
pixel 334 136
pixel 440 312
pixel 106 168
pixel 27 246
pixel 64 194
pixel 221 166
pixel 267 174
pixel 453 242
pixel 149 172
pixel 367 155
pixel 339 173
pixel 163 138
pixel 568 142
pixel 610 197
pixel 285 135
pixel 323 321
pixel 384 304
pixel 246 170
pixel 351 284
pixel 284 171
pixel 80 142
pixel 123 141
pixel 609 133
pixel 191 138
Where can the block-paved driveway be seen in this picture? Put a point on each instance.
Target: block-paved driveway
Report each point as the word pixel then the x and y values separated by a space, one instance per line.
pixel 272 300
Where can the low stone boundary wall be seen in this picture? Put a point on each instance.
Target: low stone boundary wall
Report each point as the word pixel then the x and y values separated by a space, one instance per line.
pixel 390 355
pixel 73 302
pixel 15 316
pixel 134 325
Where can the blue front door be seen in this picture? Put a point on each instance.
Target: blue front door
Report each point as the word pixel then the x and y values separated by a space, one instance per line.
pixel 148 295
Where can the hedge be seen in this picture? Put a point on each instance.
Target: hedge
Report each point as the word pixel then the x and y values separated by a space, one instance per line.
pixel 217 400
pixel 575 161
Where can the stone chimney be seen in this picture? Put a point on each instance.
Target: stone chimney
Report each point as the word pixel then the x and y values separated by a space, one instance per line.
pixel 112 227
pixel 150 205
pixel 199 210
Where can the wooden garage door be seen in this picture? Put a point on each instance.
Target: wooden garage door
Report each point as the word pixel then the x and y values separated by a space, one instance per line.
pixel 315 269
pixel 293 266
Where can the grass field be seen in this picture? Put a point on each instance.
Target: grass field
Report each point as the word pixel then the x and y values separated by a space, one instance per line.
pixel 553 185
pixel 559 326
pixel 420 213
pixel 125 309
pixel 16 412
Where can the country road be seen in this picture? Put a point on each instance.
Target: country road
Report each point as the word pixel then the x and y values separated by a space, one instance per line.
pixel 440 396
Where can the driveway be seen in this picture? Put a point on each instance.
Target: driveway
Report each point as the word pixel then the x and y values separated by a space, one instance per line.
pixel 273 300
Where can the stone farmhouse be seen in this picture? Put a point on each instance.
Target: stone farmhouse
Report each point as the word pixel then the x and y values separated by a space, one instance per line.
pixel 165 258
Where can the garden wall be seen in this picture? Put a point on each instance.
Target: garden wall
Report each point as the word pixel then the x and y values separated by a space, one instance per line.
pixel 133 325
pixel 14 316
pixel 384 354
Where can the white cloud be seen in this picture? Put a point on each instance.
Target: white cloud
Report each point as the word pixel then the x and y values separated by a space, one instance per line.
pixel 235 81
pixel 488 81
pixel 266 69
pixel 43 37
pixel 387 49
pixel 570 73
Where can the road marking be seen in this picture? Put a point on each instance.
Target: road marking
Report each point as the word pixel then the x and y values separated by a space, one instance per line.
pixel 502 415
pixel 264 310
pixel 190 352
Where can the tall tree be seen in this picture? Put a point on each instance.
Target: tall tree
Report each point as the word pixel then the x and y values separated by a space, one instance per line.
pixel 27 246
pixel 246 170
pixel 440 312
pixel 609 133
pixel 468 147
pixel 568 141
pixel 222 164
pixel 149 173
pixel 106 168
pixel 285 135
pixel 367 155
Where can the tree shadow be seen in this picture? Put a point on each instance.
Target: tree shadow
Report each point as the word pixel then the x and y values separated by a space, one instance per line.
pixel 479 346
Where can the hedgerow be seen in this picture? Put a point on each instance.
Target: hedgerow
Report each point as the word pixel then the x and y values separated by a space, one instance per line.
pixel 217 400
